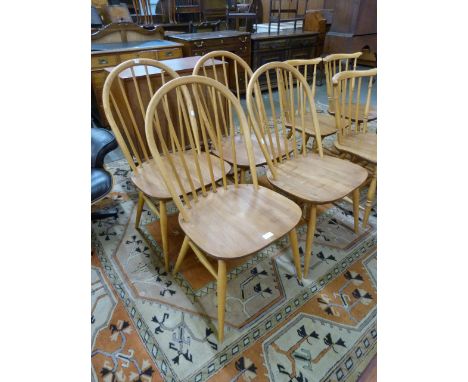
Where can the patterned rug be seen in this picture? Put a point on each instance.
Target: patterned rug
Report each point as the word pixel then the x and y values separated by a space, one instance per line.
pixel 150 326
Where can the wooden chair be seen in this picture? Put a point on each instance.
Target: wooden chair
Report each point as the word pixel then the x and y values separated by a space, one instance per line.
pixel 314 179
pixel 353 137
pixel 237 12
pixel 237 78
pixel 228 221
pixel 336 63
pixel 308 69
pixel 127 92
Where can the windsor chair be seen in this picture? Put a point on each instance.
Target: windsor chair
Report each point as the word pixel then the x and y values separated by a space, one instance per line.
pixel 237 78
pixel 336 63
pixel 351 115
pixel 127 92
pixel 313 178
pixel 228 221
pixel 308 68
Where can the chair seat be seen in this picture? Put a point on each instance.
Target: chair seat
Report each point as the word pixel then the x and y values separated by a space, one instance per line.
pixel 318 180
pixel 326 122
pixel 238 222
pixel 101 184
pixel 371 116
pixel 149 180
pixel 241 150
pixel 362 145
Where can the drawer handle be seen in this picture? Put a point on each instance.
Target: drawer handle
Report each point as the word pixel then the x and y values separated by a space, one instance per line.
pixel 243 39
pixel 168 53
pixel 103 61
pixel 198 44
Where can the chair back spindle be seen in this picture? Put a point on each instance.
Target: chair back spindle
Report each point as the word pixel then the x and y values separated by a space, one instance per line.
pixel 352 98
pixel 127 92
pixel 201 99
pixel 269 119
pixel 336 63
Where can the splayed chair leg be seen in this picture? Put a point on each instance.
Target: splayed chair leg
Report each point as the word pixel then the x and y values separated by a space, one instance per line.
pixel 163 223
pixel 356 210
pixel 182 253
pixel 310 237
pixel 370 199
pixel 222 281
pixel 295 252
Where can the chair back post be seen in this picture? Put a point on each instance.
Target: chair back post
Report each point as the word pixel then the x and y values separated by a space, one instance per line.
pixel 336 63
pixel 307 66
pixel 204 90
pixel 348 101
pixel 126 115
pixel 267 129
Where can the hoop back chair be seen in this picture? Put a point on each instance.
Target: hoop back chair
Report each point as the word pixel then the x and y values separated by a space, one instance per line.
pixel 308 69
pixel 226 221
pixel 312 178
pixel 336 63
pixel 352 109
pixel 127 92
pixel 236 77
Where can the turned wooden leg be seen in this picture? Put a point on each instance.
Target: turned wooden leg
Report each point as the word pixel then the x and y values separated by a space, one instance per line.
pixel 242 176
pixel 356 210
pixel 370 199
pixel 295 252
pixel 222 280
pixel 310 237
pixel 141 202
pixel 163 223
pixel 182 253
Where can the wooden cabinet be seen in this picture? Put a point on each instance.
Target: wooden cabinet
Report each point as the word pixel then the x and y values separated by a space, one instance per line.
pixel 354 26
pixel 198 44
pixel 281 47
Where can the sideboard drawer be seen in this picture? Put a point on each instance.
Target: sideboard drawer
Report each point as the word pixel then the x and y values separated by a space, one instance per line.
pixel 104 61
pixel 169 53
pixel 153 54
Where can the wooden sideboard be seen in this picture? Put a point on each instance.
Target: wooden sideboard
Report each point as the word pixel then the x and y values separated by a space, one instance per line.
pixel 198 44
pixel 117 43
pixel 286 45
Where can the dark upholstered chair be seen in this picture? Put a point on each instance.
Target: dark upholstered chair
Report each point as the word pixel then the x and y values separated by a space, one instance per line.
pixel 102 142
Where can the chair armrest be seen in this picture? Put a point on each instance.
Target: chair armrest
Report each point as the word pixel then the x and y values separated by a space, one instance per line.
pixel 102 142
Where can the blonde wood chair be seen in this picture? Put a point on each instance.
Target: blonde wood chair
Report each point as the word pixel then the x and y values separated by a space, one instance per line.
pixel 236 76
pixel 313 178
pixel 228 221
pixel 352 109
pixel 127 92
pixel 308 68
pixel 334 64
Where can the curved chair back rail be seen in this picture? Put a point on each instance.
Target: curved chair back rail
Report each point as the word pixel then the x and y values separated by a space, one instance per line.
pixel 202 121
pixel 352 102
pixel 336 63
pixel 295 97
pixel 126 94
pixel 307 67
pixel 239 70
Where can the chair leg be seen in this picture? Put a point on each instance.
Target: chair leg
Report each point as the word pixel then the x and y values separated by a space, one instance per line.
pixel 310 237
pixel 222 280
pixel 141 202
pixel 182 253
pixel 356 210
pixel 370 199
pixel 295 251
pixel 163 223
